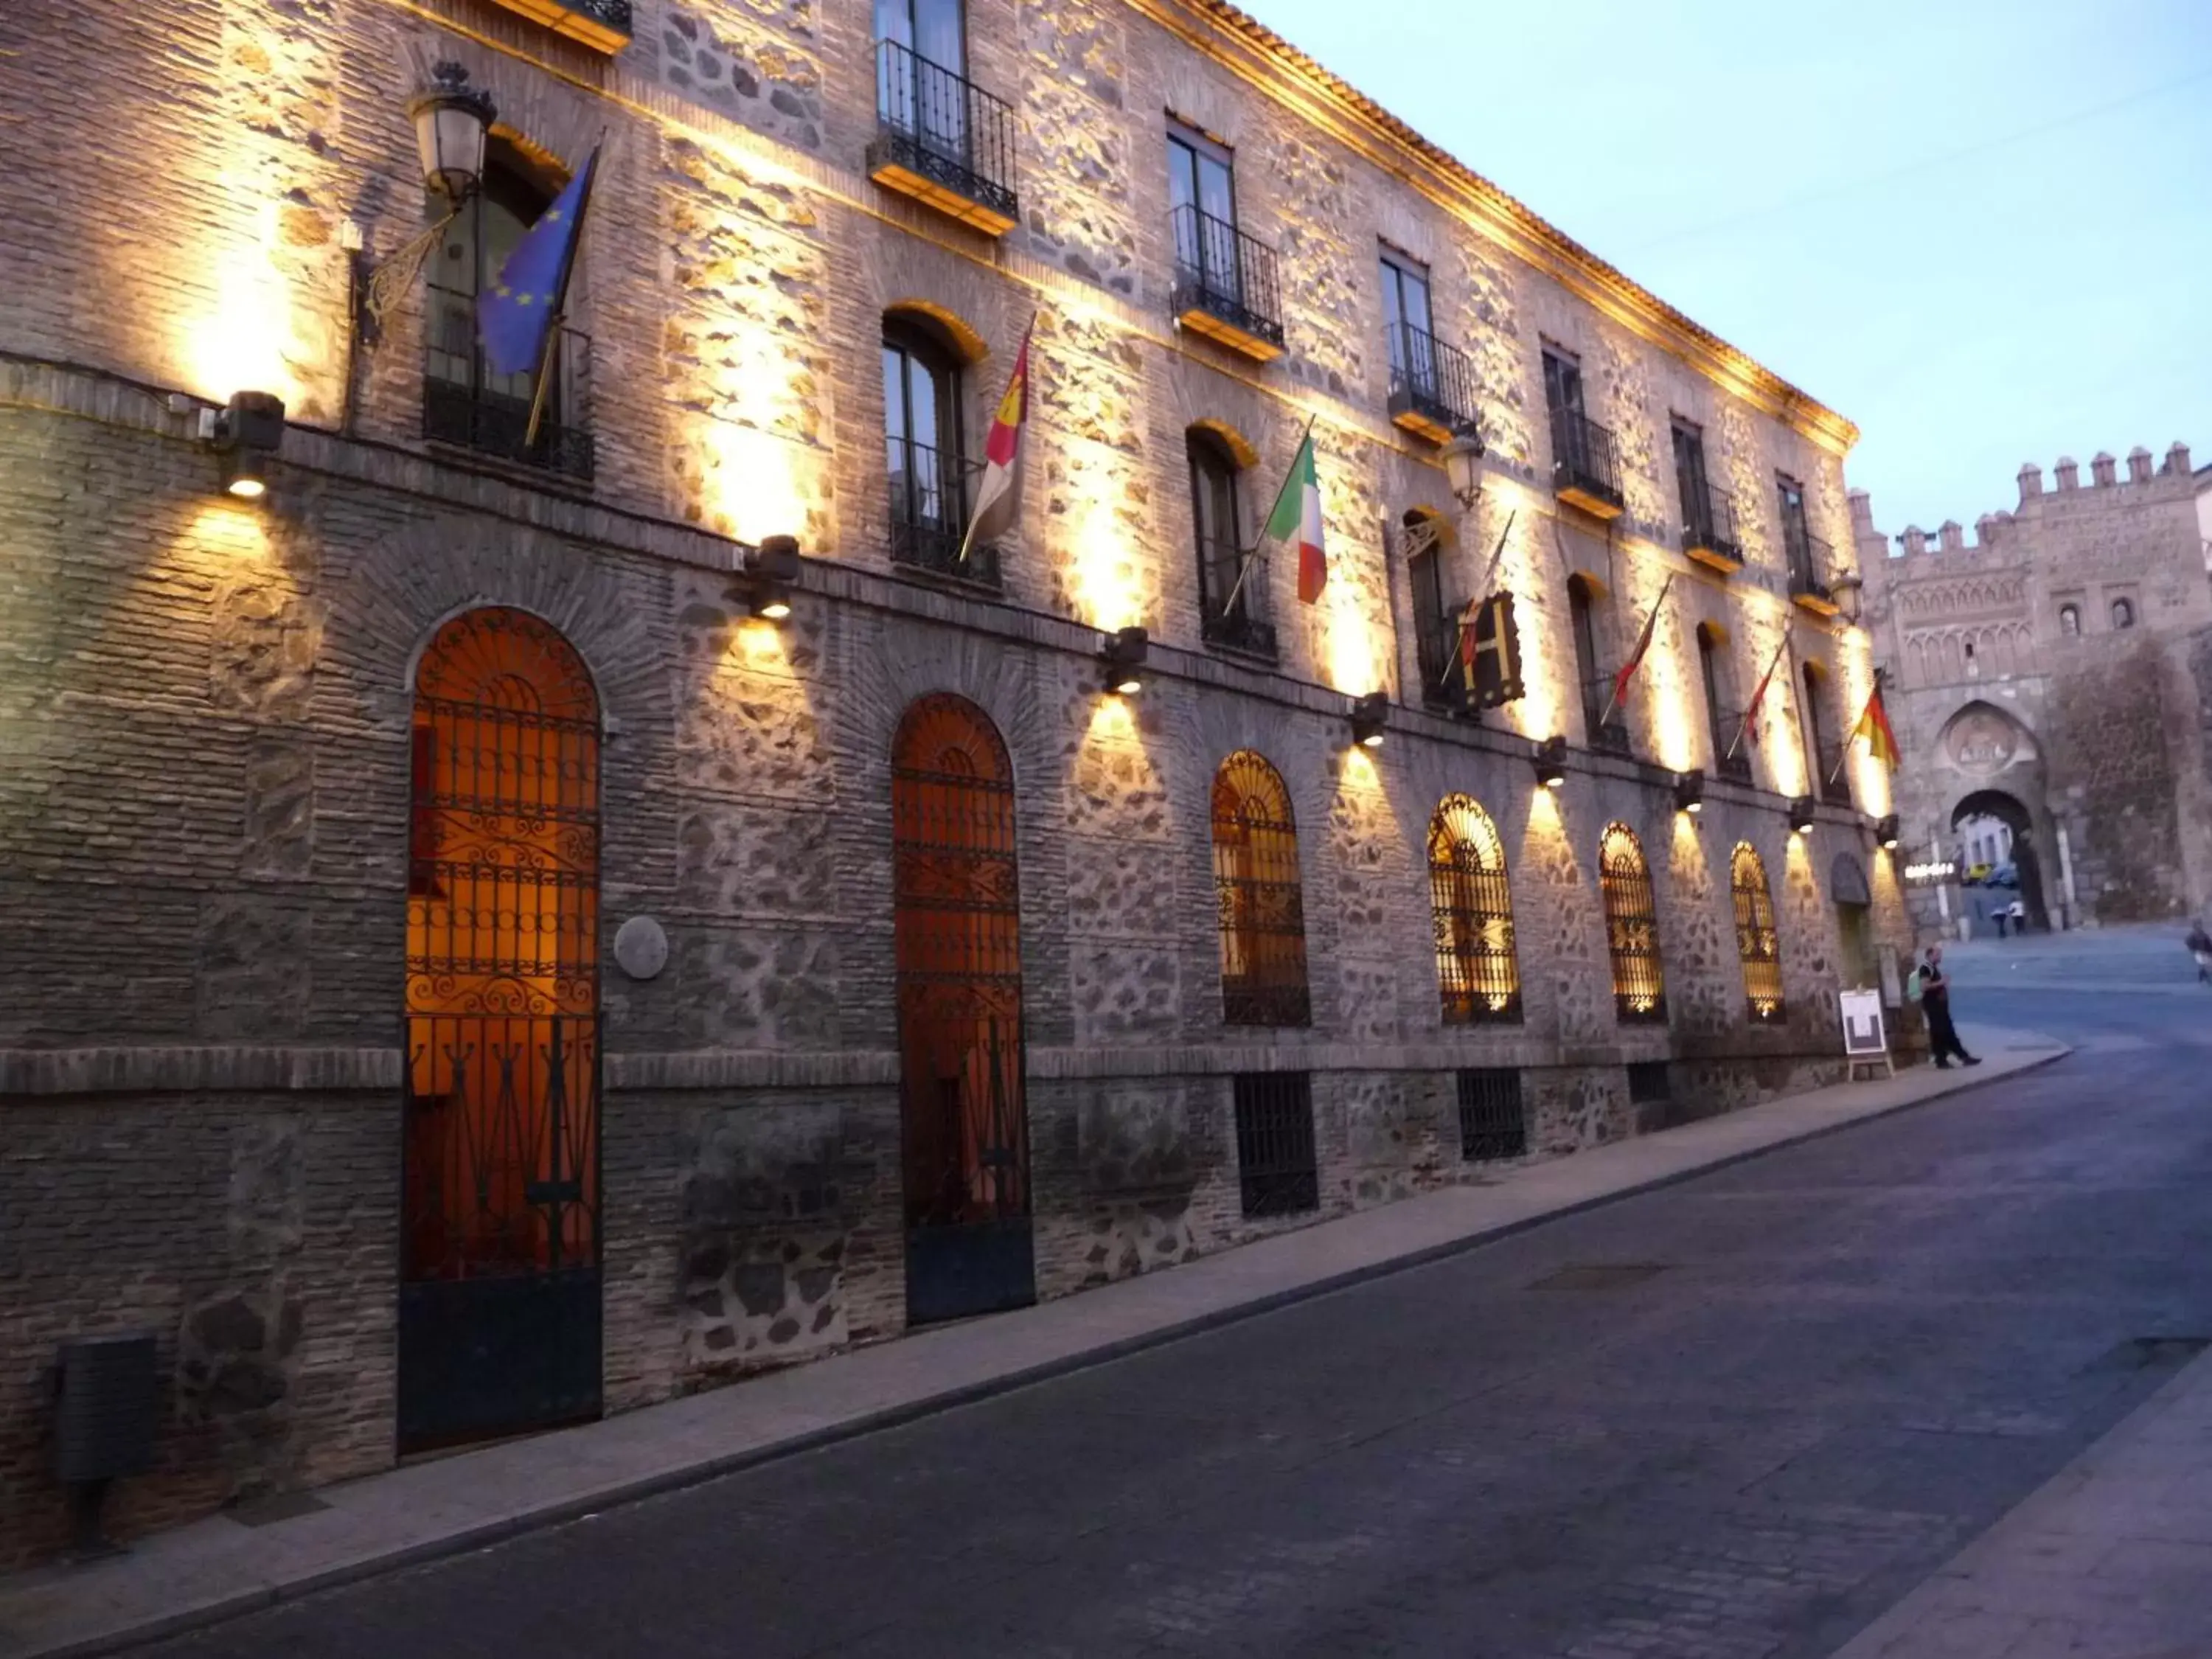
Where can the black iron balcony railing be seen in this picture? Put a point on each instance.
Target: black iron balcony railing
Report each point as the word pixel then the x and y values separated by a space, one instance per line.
pixel 942 140
pixel 1436 644
pixel 1810 559
pixel 929 515
pixel 1709 533
pixel 1431 384
pixel 1607 729
pixel 1241 622
pixel 466 404
pixel 1834 783
pixel 602 25
pixel 1736 768
pixel 1584 469
pixel 1226 283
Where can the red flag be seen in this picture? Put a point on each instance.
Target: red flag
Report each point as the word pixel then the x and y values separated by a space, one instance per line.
pixel 999 497
pixel 1749 733
pixel 1642 644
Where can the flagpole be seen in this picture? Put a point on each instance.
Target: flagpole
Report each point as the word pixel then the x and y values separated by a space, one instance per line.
pixel 968 536
pixel 561 302
pixel 1245 559
pixel 1765 680
pixel 1852 736
pixel 1613 697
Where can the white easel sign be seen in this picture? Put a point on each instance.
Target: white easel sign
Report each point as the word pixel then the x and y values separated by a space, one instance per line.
pixel 1866 1040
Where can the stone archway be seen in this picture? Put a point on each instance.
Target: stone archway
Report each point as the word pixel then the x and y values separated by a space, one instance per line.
pixel 2014 815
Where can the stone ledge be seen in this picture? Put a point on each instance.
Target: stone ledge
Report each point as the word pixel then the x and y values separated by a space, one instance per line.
pixel 237 1068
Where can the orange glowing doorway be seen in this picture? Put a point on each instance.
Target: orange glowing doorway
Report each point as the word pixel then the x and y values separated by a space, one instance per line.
pixel 499 1302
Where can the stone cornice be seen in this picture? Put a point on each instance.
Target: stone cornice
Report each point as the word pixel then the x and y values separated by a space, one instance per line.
pixel 1242 44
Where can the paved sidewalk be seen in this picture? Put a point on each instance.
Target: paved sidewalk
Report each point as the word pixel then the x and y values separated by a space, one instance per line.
pixel 220 1566
pixel 2111 1559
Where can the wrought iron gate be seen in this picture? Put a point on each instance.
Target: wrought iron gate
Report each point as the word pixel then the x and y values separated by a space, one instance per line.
pixel 499 1286
pixel 964 1122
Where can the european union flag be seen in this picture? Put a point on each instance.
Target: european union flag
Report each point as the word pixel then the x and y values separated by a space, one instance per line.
pixel 513 317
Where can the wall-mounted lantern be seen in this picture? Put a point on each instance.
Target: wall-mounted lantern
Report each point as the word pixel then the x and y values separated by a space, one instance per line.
pixel 1550 760
pixel 1690 791
pixel 452 118
pixel 1886 831
pixel 1800 814
pixel 244 436
pixel 1123 655
pixel 1370 715
pixel 1462 458
pixel 766 577
pixel 1849 591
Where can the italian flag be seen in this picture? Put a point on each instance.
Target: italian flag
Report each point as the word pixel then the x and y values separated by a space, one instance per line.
pixel 1298 517
pixel 999 496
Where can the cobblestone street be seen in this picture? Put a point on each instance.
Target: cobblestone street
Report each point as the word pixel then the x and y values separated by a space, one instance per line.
pixel 1738 1417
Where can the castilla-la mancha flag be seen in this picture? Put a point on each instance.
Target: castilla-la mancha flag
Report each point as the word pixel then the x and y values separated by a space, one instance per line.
pixel 999 497
pixel 1873 727
pixel 1297 516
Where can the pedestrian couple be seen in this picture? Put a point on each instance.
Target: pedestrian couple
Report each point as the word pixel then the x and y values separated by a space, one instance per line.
pixel 1931 988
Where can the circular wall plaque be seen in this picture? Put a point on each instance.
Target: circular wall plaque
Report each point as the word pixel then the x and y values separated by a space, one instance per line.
pixel 640 948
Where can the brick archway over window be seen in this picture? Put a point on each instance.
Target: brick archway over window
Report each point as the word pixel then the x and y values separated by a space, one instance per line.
pixel 1471 904
pixel 1263 905
pixel 1632 928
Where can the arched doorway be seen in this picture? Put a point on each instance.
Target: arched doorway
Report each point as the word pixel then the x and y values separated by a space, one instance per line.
pixel 498 1295
pixel 2027 867
pixel 1857 969
pixel 963 1123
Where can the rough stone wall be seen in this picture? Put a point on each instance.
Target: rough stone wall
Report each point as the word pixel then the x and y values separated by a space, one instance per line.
pixel 205 706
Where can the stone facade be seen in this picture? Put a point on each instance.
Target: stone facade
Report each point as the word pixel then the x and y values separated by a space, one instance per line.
pixel 205 704
pixel 2054 674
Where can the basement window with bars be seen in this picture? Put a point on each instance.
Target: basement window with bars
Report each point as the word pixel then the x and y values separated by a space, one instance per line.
pixel 1276 1169
pixel 1492 1121
pixel 1647 1083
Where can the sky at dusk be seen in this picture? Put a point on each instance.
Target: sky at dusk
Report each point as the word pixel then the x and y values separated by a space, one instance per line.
pixel 1983 231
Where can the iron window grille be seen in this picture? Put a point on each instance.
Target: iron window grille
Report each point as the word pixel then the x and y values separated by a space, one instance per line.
pixel 1224 273
pixel 1493 1122
pixel 1470 908
pixel 1430 380
pixel 1232 582
pixel 1260 902
pixel 942 127
pixel 1582 458
pixel 929 514
pixel 1277 1170
pixel 1436 626
pixel 467 404
pixel 1735 766
pixel 1608 731
pixel 1648 1083
pixel 1632 928
pixel 1834 784
pixel 1709 523
pixel 1757 942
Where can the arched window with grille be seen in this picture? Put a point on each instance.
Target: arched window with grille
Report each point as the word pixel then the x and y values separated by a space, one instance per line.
pixel 1632 928
pixel 1262 907
pixel 1757 944
pixel 1478 971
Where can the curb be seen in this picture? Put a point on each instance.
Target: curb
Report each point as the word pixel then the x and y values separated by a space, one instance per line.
pixel 483 1534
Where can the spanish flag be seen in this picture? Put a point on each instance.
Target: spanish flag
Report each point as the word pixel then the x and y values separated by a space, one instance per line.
pixel 999 497
pixel 1873 727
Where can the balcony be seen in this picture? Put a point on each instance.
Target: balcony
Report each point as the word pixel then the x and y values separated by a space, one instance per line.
pixel 1435 643
pixel 1735 768
pixel 1809 557
pixel 1432 384
pixel 1610 737
pixel 942 140
pixel 1226 285
pixel 929 516
pixel 1585 473
pixel 1241 624
pixel 602 25
pixel 467 405
pixel 1709 534
pixel 1834 783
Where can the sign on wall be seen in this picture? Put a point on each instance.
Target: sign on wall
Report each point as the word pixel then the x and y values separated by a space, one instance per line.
pixel 1497 646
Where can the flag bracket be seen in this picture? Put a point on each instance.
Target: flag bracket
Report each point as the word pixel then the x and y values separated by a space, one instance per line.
pixel 378 284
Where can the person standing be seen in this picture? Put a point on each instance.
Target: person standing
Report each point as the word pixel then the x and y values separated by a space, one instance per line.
pixel 2200 947
pixel 1935 1003
pixel 2018 911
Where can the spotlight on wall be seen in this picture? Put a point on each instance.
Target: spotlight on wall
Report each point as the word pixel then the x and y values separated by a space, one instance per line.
pixel 1370 715
pixel 244 435
pixel 1551 762
pixel 1885 830
pixel 764 579
pixel 1462 458
pixel 1800 814
pixel 1124 654
pixel 1690 791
